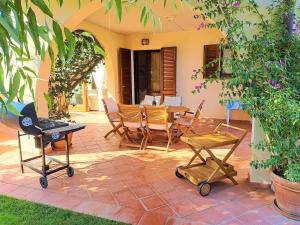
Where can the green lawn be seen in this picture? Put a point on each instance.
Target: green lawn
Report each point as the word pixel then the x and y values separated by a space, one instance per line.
pixel 19 212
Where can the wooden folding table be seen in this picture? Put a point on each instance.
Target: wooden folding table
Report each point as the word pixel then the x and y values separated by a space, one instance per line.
pixel 211 169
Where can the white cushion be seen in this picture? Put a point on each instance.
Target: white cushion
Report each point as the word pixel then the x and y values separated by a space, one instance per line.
pixel 159 126
pixel 157 99
pixel 111 105
pixel 148 99
pixel 172 100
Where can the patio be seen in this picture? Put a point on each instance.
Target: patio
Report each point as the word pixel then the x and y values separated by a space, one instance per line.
pixel 138 187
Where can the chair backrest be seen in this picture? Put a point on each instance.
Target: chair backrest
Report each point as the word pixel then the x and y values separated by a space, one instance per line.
pixel 198 111
pixel 172 100
pixel 130 113
pixel 156 115
pixel 110 105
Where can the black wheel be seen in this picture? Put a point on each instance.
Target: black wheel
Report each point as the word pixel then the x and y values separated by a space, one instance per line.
pixel 70 172
pixel 204 188
pixel 43 182
pixel 177 173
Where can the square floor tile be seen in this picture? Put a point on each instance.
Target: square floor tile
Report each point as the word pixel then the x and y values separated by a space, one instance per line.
pixel 152 202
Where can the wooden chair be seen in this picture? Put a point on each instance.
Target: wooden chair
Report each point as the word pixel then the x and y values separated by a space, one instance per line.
pixel 185 123
pixel 157 120
pixel 112 113
pixel 132 120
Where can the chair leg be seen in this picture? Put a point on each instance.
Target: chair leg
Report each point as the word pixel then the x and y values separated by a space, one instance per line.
pixel 143 141
pixel 170 133
pixel 114 130
pixel 108 133
pixel 146 140
pixel 122 139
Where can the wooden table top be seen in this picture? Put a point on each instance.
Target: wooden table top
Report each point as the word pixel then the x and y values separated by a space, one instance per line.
pixel 210 140
pixel 174 109
pixel 177 109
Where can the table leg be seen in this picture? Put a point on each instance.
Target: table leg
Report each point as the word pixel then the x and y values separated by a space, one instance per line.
pixel 227 116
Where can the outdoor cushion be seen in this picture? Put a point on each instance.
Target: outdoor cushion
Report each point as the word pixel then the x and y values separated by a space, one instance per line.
pixel 111 105
pixel 172 100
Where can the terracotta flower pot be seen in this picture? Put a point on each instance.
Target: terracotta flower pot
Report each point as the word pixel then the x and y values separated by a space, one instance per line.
pixel 287 196
pixel 60 145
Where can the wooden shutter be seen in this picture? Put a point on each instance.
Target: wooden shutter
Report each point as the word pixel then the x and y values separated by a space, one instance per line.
pixel 168 71
pixel 125 76
pixel 211 53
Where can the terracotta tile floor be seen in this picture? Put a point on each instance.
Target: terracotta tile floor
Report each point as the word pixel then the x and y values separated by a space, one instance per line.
pixel 137 187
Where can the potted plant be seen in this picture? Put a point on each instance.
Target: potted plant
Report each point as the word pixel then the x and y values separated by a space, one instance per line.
pixel 264 60
pixel 65 77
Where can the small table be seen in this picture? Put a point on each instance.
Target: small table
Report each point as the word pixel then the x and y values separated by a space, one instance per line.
pixel 211 169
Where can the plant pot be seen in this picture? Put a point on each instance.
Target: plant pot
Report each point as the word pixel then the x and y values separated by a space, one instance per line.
pixel 61 145
pixel 287 196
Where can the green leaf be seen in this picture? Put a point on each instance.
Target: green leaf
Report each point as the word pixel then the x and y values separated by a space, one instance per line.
pixel 26 68
pixel 3 109
pixel 21 92
pixel 51 54
pixel 100 51
pixel 11 108
pixel 146 20
pixel 34 30
pixel 143 14
pixel 59 40
pixel 109 6
pixel 14 88
pixel 43 52
pixel 153 23
pixel 49 101
pixel 10 29
pixel 5 48
pixel 2 87
pixel 60 2
pixel 20 20
pixel 119 9
pixel 42 6
pixel 71 43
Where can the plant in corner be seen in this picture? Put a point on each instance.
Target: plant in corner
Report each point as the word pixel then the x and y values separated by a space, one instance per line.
pixel 65 77
pixel 265 57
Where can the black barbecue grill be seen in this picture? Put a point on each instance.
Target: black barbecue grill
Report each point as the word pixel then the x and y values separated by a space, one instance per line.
pixel 45 132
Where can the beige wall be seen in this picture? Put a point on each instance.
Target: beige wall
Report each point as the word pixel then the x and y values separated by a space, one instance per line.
pixel 190 45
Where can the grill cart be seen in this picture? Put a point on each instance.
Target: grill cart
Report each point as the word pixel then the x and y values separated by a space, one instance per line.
pixel 211 169
pixel 45 132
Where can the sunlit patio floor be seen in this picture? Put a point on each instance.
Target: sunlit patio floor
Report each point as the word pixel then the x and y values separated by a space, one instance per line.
pixel 134 186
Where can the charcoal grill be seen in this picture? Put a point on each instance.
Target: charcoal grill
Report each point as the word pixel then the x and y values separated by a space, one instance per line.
pixel 45 132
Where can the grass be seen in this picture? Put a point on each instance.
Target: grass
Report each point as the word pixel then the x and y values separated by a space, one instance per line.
pixel 20 212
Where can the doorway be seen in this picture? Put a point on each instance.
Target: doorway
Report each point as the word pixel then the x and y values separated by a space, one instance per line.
pixel 147 74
